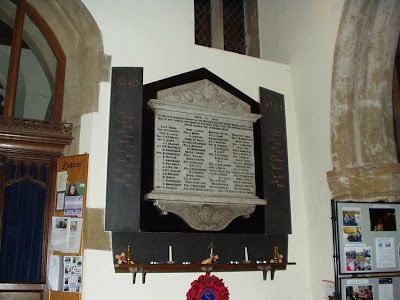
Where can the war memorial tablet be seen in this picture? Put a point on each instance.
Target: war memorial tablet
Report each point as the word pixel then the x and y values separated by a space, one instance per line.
pixel 203 155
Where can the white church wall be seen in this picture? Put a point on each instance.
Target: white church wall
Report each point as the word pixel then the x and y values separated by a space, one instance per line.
pixel 304 34
pixel 158 36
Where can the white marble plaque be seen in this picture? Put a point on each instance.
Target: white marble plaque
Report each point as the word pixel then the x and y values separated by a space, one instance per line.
pixel 204 162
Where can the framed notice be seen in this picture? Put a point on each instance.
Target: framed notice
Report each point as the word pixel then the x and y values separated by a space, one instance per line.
pixel 366 237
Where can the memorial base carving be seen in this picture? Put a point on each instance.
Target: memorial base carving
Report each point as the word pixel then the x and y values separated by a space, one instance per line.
pixel 205 212
pixel 204 216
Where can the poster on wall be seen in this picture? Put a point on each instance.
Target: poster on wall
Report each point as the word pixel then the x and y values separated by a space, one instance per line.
pixel 72 274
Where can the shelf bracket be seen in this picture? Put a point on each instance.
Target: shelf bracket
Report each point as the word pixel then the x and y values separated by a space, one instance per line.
pixel 134 272
pixel 265 270
pixel 207 269
pixel 145 270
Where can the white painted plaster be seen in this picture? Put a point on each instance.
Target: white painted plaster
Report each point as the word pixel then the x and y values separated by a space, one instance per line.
pixel 304 35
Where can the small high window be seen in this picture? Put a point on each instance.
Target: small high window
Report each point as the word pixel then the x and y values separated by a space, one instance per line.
pixel 231 25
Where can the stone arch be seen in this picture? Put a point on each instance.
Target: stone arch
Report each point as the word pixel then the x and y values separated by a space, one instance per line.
pixel 363 150
pixel 86 63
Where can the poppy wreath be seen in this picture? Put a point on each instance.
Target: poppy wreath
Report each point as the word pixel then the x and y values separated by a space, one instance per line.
pixel 207 287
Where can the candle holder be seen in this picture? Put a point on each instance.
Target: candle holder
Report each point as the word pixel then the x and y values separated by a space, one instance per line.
pixel 277 258
pixel 128 255
pixel 170 260
pixel 213 257
pixel 246 256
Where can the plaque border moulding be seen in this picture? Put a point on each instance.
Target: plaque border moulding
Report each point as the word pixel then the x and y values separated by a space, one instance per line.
pixel 204 211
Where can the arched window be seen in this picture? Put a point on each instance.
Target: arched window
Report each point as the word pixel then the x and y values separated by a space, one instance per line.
pixel 32 64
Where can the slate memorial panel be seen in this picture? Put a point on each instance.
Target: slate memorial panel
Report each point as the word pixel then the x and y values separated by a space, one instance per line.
pixel 275 162
pixel 124 149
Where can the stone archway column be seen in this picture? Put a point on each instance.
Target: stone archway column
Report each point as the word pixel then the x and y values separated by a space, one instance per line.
pixel 365 166
pixel 86 63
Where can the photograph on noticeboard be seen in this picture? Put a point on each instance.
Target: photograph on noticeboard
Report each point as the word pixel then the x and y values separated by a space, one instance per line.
pixel 356 292
pixel 382 219
pixel 358 259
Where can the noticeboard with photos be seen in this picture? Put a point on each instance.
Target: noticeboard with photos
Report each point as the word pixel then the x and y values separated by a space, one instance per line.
pixel 367 249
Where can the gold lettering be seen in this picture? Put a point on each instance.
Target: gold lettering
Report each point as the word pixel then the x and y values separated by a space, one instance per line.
pixel 126 117
pixel 122 141
pixel 273 105
pixel 128 126
pixel 128 83
pixel 121 81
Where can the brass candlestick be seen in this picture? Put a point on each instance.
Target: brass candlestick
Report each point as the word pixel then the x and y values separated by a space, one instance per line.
pixel 128 256
pixel 276 254
pixel 212 246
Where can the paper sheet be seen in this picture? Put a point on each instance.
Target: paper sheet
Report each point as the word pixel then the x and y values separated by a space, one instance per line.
pixel 66 234
pixel 385 253
pixel 62 181
pixel 54 272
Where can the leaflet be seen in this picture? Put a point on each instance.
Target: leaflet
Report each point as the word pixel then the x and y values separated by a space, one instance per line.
pixel 66 234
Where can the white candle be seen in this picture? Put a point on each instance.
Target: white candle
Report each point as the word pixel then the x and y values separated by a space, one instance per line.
pixel 170 253
pixel 246 255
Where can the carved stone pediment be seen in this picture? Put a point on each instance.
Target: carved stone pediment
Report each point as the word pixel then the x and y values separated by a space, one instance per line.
pixel 204 93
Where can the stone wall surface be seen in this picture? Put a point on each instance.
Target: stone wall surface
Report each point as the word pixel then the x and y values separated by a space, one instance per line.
pixel 86 63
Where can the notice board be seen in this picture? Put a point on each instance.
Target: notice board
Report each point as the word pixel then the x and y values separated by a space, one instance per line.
pixel 366 249
pixel 70 204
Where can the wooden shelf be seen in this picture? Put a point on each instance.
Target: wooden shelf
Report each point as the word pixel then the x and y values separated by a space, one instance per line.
pixel 208 268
